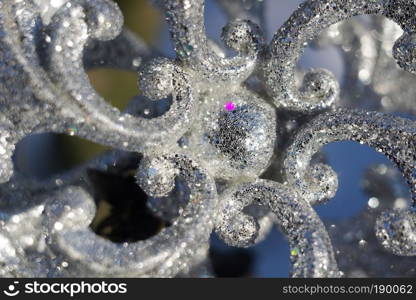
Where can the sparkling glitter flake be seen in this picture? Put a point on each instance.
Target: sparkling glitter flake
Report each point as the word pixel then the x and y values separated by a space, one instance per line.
pixel 203 168
pixel 229 106
pixel 294 252
pixel 72 131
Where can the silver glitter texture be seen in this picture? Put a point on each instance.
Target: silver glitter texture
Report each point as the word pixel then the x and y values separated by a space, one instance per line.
pixel 235 151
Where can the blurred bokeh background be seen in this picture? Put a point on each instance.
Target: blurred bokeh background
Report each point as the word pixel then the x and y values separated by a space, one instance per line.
pixel 43 155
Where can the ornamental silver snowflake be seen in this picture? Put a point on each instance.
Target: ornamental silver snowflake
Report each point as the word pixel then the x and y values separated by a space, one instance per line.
pixel 235 152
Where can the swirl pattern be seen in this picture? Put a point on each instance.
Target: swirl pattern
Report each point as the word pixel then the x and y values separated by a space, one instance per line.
pixel 230 143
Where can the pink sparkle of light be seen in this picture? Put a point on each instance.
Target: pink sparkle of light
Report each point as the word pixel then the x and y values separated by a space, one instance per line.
pixel 230 106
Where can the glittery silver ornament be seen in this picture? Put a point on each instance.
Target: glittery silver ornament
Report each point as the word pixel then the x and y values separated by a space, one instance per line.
pixel 205 133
